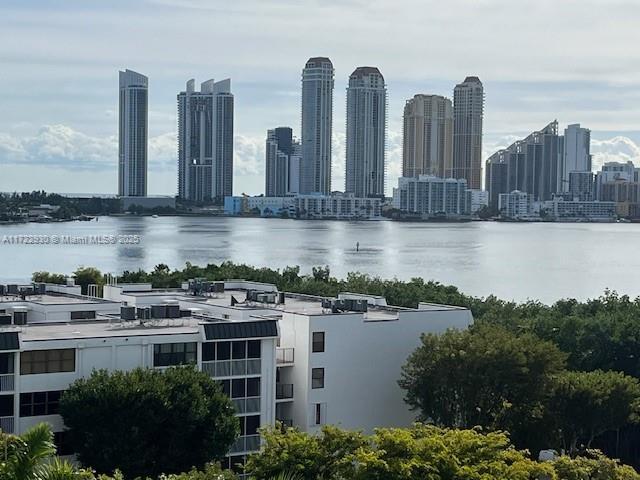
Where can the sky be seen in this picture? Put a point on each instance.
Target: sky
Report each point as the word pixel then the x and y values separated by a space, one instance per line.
pixel 576 61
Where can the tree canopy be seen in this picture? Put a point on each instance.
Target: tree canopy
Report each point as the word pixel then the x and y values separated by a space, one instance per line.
pixel 147 422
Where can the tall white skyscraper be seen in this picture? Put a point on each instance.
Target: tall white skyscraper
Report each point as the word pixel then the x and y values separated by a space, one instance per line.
pixel 577 153
pixel 468 110
pixel 366 133
pixel 133 121
pixel 205 142
pixel 317 122
pixel 428 137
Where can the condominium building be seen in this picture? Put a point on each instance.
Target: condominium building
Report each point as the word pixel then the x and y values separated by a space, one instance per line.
pixel 366 133
pixel 133 130
pixel 432 197
pixel 338 206
pixel 317 123
pixel 205 141
pixel 282 159
pixel 560 209
pixel 468 111
pixel 477 200
pixel 427 145
pixel 581 185
pixel 300 359
pixel 531 165
pixel 516 205
pixel 576 156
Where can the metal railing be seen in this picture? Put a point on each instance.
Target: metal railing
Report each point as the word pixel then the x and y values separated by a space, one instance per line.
pixel 247 405
pixel 250 443
pixel 285 355
pixel 232 368
pixel 6 424
pixel 7 382
pixel 284 390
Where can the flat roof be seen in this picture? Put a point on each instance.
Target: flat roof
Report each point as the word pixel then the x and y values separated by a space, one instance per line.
pixel 50 298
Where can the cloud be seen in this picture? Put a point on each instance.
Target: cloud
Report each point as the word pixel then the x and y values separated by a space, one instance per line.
pixel 617 149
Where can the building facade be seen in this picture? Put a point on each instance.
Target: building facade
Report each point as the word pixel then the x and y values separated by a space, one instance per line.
pixel 338 206
pixel 427 145
pixel 576 156
pixel 205 142
pixel 515 205
pixel 531 165
pixel 133 131
pixel 366 133
pixel 299 359
pixel 432 197
pixel 581 185
pixel 282 163
pixel 317 124
pixel 560 209
pixel 468 112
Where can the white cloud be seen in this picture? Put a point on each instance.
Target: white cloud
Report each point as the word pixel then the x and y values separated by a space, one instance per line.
pixel 617 149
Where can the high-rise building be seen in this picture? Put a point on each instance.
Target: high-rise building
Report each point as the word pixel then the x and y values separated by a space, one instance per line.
pixel 205 142
pixel 282 155
pixel 317 121
pixel 577 153
pixel 133 128
pixel 366 133
pixel 530 166
pixel 428 137
pixel 468 110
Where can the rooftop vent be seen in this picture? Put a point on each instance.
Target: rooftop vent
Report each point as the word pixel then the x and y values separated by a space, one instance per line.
pixel 127 314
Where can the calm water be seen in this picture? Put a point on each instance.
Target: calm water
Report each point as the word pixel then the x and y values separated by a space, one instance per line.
pixel 513 261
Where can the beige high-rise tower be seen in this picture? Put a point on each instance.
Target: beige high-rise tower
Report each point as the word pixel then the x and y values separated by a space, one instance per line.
pixel 428 137
pixel 468 110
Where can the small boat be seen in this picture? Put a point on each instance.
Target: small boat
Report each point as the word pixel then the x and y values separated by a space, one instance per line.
pixel 154 216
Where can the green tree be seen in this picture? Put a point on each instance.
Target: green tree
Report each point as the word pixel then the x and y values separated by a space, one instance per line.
pixel 148 422
pixel 46 277
pixel 211 471
pixel 31 456
pixel 485 377
pixel 327 455
pixel 588 404
pixel 85 276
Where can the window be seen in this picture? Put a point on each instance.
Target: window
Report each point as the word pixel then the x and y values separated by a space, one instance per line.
pixel 47 361
pixel 238 388
pixel 39 403
pixel 6 363
pixel 6 405
pixel 317 378
pixel 226 387
pixel 223 351
pixel 208 351
pixel 83 315
pixel 239 350
pixel 317 342
pixel 253 387
pixel 253 349
pixel 252 424
pixel 318 414
pixel 166 354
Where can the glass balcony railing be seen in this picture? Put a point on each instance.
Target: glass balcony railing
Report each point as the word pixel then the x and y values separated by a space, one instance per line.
pixel 284 355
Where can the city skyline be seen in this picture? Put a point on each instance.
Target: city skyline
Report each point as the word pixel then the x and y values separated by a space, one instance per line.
pixel 591 81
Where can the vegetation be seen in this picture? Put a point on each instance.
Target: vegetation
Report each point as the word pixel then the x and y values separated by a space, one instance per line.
pixel 148 422
pixel 421 453
pixel 12 205
pixel 596 335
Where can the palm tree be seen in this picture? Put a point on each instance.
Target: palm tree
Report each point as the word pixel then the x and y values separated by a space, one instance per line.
pixel 31 456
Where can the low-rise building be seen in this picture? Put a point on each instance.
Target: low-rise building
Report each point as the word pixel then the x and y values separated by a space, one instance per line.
pixel 516 205
pixel 560 209
pixel 428 197
pixel 477 200
pixel 337 206
pixel 304 360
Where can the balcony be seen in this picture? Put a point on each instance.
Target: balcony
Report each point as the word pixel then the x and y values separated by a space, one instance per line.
pixel 7 382
pixel 232 368
pixel 284 356
pixel 285 422
pixel 250 443
pixel 6 424
pixel 284 391
pixel 247 405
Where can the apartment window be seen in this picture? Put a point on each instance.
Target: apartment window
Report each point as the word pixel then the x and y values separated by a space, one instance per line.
pixel 251 424
pixel 253 348
pixel 245 387
pixel 47 361
pixel 40 403
pixel 6 405
pixel 226 387
pixel 317 378
pixel 83 315
pixel 208 352
pixel 253 387
pixel 317 342
pixel 6 363
pixel 239 350
pixel 318 414
pixel 167 354
pixel 223 351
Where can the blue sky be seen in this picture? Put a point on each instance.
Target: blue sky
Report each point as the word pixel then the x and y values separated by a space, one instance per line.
pixel 576 61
